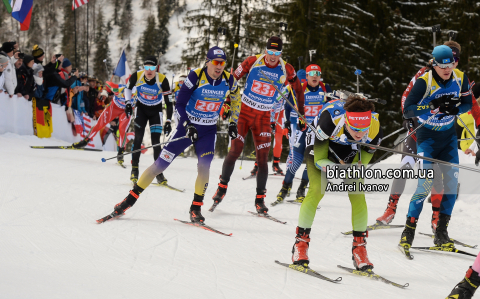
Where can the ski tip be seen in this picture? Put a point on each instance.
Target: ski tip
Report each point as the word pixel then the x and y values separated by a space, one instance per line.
pixel 347 233
pixel 104 160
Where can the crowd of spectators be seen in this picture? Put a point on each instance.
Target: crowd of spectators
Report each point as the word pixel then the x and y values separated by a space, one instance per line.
pixel 28 75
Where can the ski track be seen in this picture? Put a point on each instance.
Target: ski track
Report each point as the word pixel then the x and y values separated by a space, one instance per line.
pixel 52 245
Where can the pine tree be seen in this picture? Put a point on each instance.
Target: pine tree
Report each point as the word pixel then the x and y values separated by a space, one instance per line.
pixel 116 11
pixel 103 51
pixel 126 21
pixel 164 11
pixel 147 45
pixel 68 33
pixel 36 31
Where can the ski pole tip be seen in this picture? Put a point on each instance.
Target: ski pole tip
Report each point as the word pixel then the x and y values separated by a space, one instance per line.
pixel 104 160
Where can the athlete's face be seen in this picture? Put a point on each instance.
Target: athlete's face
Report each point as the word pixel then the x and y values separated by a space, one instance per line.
pixel 272 59
pixel 356 135
pixel 215 68
pixel 313 81
pixel 149 74
pixel 444 73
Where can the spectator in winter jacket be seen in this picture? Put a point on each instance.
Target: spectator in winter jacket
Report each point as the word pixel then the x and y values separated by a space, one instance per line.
pixel 59 82
pixel 9 73
pixel 25 81
pixel 91 97
pixel 3 65
pixel 38 54
pixel 79 88
pixel 38 77
pixel 100 103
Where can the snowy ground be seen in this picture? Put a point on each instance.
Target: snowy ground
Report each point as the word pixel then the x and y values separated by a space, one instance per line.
pixel 52 248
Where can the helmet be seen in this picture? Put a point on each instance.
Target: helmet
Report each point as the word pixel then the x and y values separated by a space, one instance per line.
pixel 442 55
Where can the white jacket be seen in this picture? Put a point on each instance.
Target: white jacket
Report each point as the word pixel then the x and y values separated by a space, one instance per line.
pixel 10 77
pixel 2 81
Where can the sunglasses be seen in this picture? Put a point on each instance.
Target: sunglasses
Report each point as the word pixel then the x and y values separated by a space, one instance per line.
pixel 444 65
pixel 355 128
pixel 149 67
pixel 217 62
pixel 314 73
pixel 276 53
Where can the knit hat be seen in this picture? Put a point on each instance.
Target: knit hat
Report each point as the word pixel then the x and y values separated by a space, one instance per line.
pixel 274 43
pixel 8 47
pixel 314 67
pixel 216 52
pixel 37 68
pixel 150 60
pixel 27 59
pixel 66 63
pixel 37 51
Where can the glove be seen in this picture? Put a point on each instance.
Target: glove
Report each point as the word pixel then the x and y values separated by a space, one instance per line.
pixel 302 125
pixel 192 132
pixel 272 125
pixel 167 129
pixel 128 110
pixel 233 130
pixel 443 101
pixel 288 126
pixel 226 111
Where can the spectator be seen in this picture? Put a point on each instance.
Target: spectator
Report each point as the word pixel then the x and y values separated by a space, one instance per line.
pixel 10 75
pixel 91 97
pixel 52 67
pixel 79 88
pixel 58 84
pixel 25 81
pixel 38 77
pixel 3 65
pixel 100 103
pixel 38 54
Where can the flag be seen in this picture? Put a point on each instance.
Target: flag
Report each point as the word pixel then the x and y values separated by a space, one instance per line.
pixel 122 70
pixel 22 12
pixel 8 5
pixel 77 3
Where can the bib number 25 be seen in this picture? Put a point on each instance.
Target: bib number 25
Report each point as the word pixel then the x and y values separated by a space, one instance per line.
pixel 262 88
pixel 205 106
pixel 312 110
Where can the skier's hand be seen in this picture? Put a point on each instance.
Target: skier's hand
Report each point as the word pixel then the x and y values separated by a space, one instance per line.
pixel 272 125
pixel 192 132
pixel 167 128
pixel 288 125
pixel 226 111
pixel 128 110
pixel 233 130
pixel 302 125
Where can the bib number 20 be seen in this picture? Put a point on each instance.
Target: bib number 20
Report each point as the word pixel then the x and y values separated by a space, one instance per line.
pixel 205 106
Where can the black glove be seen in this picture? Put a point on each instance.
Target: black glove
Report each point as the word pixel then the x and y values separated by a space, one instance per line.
pixel 272 125
pixel 167 129
pixel 233 130
pixel 227 112
pixel 128 110
pixel 192 132
pixel 477 157
pixel 288 125
pixel 447 100
pixel 302 125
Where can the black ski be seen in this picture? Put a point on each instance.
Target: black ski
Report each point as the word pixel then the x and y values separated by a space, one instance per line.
pixel 445 249
pixel 109 217
pixel 453 240
pixel 277 174
pixel 308 271
pixel 268 217
pixel 370 274
pixel 68 148
pixel 169 187
pixel 294 201
pixel 249 177
pixel 121 164
pixel 205 227
pixel 376 226
pixel 406 251
pixel 215 204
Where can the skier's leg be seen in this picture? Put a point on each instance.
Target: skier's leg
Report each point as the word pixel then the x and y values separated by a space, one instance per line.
pixel 106 117
pixel 155 121
pixel 140 124
pixel 262 142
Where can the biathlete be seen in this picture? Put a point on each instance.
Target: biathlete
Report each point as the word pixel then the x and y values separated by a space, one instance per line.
pixel 258 99
pixel 338 122
pixel 315 97
pixel 199 102
pixel 444 92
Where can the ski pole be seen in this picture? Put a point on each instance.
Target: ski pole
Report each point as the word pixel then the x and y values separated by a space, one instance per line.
pixel 136 151
pixel 235 46
pixel 414 156
pixel 391 134
pixel 468 130
pixel 358 73
pixel 406 137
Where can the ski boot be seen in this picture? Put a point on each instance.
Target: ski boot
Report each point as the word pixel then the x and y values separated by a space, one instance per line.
pixel 219 194
pixel 81 144
pixel 359 251
pixel 121 207
pixel 300 248
pixel 441 233
pixel 195 210
pixel 119 155
pixel 260 202
pixel 301 191
pixel 389 213
pixel 276 166
pixel 283 193
pixel 466 288
pixel 408 234
pixel 435 216
pixel 254 170
pixel 134 175
pixel 161 180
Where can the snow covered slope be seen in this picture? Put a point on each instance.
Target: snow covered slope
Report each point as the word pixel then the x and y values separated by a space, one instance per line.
pixel 51 246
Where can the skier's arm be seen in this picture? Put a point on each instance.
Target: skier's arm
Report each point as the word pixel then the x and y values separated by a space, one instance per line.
pixel 297 87
pixel 411 109
pixel 320 149
pixel 128 90
pixel 465 96
pixel 244 67
pixel 366 153
pixel 288 108
pixel 235 99
pixel 185 94
pixel 166 98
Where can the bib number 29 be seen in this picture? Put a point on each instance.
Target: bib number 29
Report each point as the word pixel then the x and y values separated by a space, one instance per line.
pixel 263 88
pixel 205 106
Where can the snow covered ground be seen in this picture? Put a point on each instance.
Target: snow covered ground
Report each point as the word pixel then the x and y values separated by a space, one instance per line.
pixel 51 246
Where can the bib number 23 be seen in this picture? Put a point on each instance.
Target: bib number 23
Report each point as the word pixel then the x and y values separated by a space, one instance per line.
pixel 262 88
